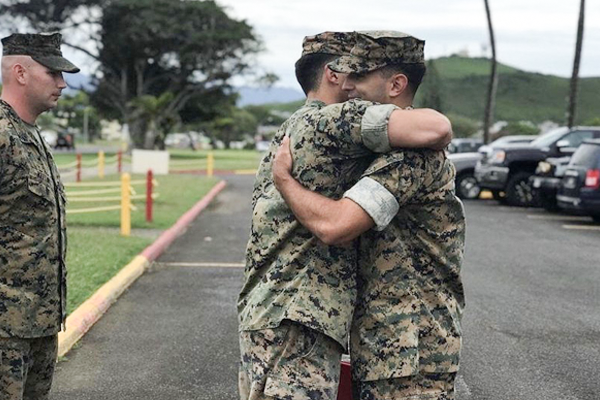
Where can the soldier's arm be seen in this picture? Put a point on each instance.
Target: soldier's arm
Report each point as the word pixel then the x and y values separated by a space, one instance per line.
pixel 386 126
pixel 332 221
pixel 419 128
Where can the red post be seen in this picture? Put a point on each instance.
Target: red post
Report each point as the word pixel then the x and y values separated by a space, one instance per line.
pixel 78 175
pixel 345 385
pixel 119 161
pixel 149 196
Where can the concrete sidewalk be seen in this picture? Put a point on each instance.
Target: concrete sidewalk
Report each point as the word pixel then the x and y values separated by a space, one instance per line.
pixel 173 334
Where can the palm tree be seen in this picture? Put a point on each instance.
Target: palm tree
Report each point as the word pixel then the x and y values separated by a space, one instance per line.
pixel 575 77
pixel 490 104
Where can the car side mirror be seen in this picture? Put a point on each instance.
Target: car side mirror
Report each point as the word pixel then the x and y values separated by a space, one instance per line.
pixel 563 143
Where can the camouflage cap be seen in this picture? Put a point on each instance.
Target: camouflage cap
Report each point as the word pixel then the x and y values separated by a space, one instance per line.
pixel 376 49
pixel 337 43
pixel 42 47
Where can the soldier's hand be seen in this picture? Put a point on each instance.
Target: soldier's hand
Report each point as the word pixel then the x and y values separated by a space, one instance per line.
pixel 282 164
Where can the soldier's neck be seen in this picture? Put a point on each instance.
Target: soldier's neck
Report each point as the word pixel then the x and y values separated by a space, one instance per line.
pixel 18 103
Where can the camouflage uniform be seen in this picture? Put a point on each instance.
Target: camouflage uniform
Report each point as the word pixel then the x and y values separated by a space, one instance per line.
pixel 410 294
pixel 290 274
pixel 32 240
pixel 291 277
pixel 406 332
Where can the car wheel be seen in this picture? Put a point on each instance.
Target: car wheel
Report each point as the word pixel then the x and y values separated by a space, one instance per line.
pixel 498 195
pixel 519 191
pixel 467 186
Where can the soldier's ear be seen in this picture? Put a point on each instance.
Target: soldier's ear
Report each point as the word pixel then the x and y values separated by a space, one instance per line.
pixel 331 76
pixel 398 84
pixel 19 71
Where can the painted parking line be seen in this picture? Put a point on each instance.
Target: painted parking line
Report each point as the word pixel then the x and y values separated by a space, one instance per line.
pixel 560 217
pixel 203 264
pixel 582 227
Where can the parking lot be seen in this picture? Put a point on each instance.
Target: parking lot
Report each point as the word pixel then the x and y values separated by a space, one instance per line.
pixel 532 323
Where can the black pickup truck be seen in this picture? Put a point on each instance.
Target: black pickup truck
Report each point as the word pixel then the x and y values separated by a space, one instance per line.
pixel 506 170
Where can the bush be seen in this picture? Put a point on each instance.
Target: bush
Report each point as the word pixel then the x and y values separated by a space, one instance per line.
pixel 463 126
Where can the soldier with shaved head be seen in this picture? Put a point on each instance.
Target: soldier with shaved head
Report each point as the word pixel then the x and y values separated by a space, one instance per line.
pixel 32 218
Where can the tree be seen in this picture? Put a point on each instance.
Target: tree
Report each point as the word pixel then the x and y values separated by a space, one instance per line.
pixel 155 46
pixel 158 122
pixel 147 48
pixel 493 84
pixel 433 88
pixel 48 15
pixel 571 111
pixel 234 126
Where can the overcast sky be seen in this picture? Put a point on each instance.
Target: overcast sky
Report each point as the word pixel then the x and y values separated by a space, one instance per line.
pixel 532 35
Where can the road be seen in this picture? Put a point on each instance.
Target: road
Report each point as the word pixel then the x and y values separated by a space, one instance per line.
pixel 531 327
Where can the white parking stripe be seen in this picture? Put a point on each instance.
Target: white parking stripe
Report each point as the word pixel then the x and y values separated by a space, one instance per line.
pixel 583 227
pixel 560 217
pixel 203 264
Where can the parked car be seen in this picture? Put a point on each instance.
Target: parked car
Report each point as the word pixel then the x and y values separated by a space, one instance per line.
pixel 464 145
pixel 467 186
pixel 65 140
pixel 580 187
pixel 508 168
pixel 546 180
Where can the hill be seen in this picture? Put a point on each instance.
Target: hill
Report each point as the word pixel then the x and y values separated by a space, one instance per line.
pixel 521 95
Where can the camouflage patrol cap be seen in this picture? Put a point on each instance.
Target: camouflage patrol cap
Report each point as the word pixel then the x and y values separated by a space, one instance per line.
pixel 376 49
pixel 337 43
pixel 42 47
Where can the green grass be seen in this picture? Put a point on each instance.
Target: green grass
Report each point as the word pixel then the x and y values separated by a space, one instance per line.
pixel 177 193
pixel 228 160
pixel 94 256
pixel 224 159
pixel 96 249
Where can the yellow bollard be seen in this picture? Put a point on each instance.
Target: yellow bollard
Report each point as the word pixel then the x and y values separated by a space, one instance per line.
pixel 125 205
pixel 210 161
pixel 101 164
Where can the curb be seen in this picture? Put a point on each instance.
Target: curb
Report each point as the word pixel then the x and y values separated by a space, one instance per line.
pixel 88 313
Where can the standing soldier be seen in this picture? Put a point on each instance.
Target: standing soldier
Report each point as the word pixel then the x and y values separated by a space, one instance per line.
pixel 32 218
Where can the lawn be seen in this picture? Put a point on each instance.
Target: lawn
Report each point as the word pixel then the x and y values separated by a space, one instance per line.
pixel 185 159
pixel 97 251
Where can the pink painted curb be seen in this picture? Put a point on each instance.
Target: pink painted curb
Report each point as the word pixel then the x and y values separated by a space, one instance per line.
pixel 155 249
pixel 88 313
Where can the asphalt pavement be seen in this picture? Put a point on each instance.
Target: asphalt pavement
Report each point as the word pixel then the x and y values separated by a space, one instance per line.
pixel 531 326
pixel 173 334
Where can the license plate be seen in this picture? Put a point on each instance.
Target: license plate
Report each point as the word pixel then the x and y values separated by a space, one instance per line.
pixel 570 183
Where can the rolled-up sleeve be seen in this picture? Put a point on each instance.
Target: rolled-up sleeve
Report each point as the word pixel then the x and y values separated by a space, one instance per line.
pixel 374 127
pixel 376 200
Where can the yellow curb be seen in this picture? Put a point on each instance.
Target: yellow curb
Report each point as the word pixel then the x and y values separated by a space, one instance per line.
pixel 244 171
pixel 82 319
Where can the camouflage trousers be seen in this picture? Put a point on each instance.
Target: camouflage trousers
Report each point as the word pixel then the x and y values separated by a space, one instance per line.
pixel 27 367
pixel 290 362
pixel 416 387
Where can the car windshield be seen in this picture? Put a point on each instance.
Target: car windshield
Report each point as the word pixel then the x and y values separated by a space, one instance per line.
pixel 548 138
pixel 587 155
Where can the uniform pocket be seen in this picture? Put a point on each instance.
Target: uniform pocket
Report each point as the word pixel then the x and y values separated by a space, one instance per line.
pixel 40 184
